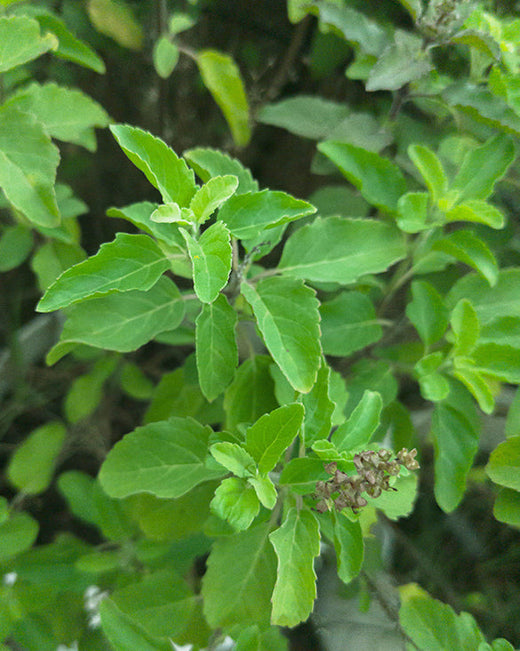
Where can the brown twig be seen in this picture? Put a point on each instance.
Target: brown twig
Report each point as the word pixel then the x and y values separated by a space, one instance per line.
pixel 291 55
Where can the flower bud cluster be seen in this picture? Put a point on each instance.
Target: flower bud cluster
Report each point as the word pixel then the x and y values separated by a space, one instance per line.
pixel 374 472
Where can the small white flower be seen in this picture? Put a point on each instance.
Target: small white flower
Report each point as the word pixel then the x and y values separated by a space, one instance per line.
pixel 94 621
pixel 184 647
pixel 91 591
pixel 93 597
pixel 227 644
pixel 10 578
pixel 72 647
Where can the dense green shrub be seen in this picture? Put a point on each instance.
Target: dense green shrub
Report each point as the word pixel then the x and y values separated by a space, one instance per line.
pixel 244 368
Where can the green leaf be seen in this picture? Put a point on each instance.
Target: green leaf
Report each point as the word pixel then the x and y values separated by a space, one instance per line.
pixel 348 323
pixel 67 114
pixel 236 502
pixel 301 474
pixel 499 361
pixel 167 459
pixel 263 242
pixel 478 40
pixel 435 626
pixel 287 315
pixel 51 259
pixel 216 347
pixel 70 47
pixel 373 375
pixel 135 383
pixel 282 388
pixel 32 465
pixel 403 61
pixel 4 509
pixel 431 169
pixel 251 394
pixel 272 434
pixel 308 116
pixel 413 7
pixel 476 211
pixel 504 464
pixel 398 504
pixel 21 41
pixel 111 517
pixel 483 106
pixel 507 507
pixel 211 260
pixel 481 386
pixel 99 562
pixel 160 164
pixel 166 520
pixel 209 163
pixel 434 386
pixel 139 214
pixel 16 243
pixel 165 56
pixel 429 363
pixel 86 391
pixel 28 166
pixel 482 167
pixel 45 563
pixel 124 633
pixel 127 263
pixel 178 394
pixel 504 330
pixel 362 130
pixel 352 25
pixel 379 180
pixel 338 200
pixel 212 195
pixel 271 639
pixel 17 533
pixel 296 543
pixel 239 581
pixel 348 543
pixel 115 19
pixel 170 213
pixel 490 303
pixel 76 488
pixel 265 490
pixel 319 408
pixel 465 327
pixel 427 312
pixel 328 452
pixel 412 212
pixel 246 214
pixel 499 644
pixel 341 250
pixel 456 443
pixel 221 77
pixel 472 250
pixel 356 433
pixel 513 416
pixel 339 396
pixel 234 458
pixel 121 322
pixel 180 22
